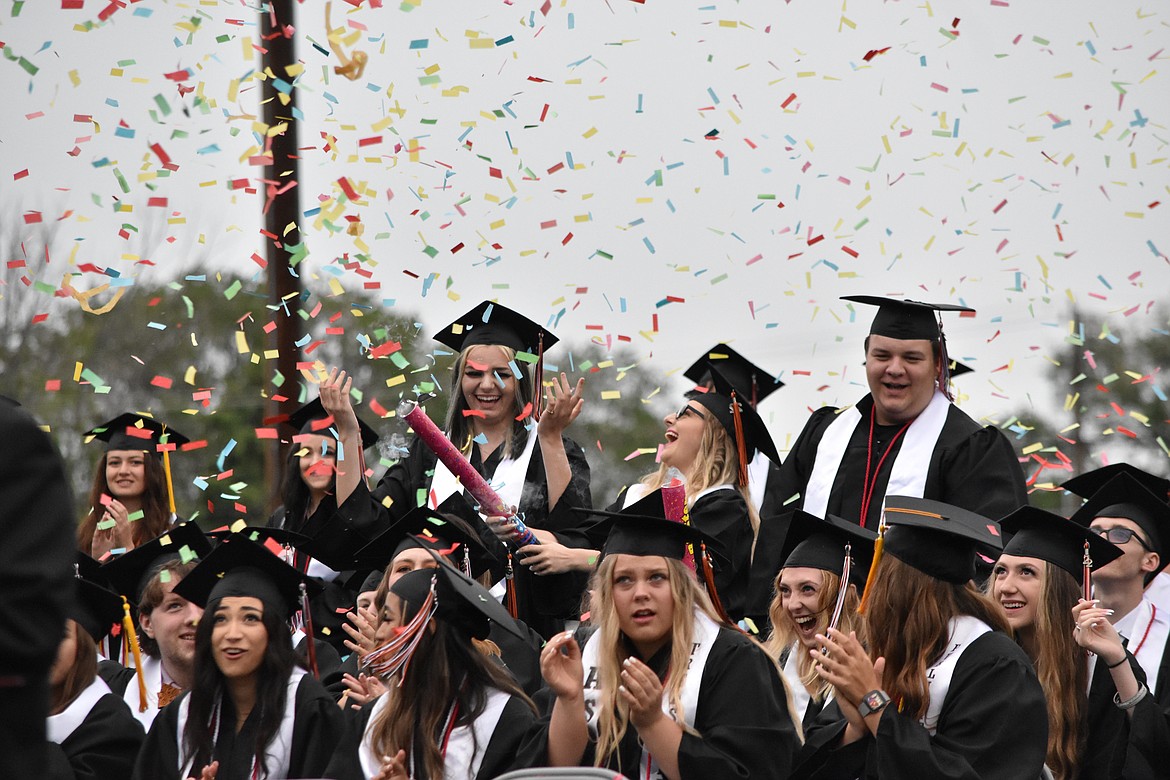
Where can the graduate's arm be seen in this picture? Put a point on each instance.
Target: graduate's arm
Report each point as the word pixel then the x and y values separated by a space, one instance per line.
pixel 317 729
pixel 159 755
pixel 568 733
pixel 564 403
pixel 335 398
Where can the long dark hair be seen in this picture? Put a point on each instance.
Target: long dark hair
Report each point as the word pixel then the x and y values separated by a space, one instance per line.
pixel 82 669
pixel 271 685
pixel 445 667
pixel 156 507
pixel 295 493
pixel 457 424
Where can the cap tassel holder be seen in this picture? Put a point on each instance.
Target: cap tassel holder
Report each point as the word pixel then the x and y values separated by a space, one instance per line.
pixel 873 567
pixel 311 645
pixel 132 641
pixel 510 589
pixel 394 656
pixel 740 443
pixel 538 379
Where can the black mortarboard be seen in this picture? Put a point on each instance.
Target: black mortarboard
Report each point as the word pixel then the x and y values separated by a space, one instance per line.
pixel 95 608
pixel 820 544
pixel 752 382
pixel 640 535
pixel 719 403
pixel 936 538
pixel 1034 533
pixel 7 400
pixel 1090 482
pixel 132 572
pixel 649 506
pixel 312 418
pixel 239 567
pixel 491 323
pixel 453 522
pixel 958 369
pixel 459 600
pixel 905 319
pixel 1127 496
pixel 131 431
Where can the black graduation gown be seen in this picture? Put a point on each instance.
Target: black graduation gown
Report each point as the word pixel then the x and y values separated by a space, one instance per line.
pixel 104 745
pixel 542 602
pixel 1121 747
pixel 993 726
pixel 744 729
pixel 316 728
pixel 499 757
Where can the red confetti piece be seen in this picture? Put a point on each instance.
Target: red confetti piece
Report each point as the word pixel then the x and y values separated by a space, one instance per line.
pixel 161 381
pixel 52 385
pixel 266 433
pixel 21 174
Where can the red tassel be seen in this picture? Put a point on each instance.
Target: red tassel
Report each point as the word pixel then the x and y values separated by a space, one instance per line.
pixel 1086 577
pixel 308 617
pixel 510 590
pixel 740 444
pixel 709 581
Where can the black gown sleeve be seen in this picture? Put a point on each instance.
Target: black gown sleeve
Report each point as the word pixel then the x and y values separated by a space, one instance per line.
pixel 723 515
pixel 993 726
pixel 103 747
pixel 159 757
pixel 345 763
pixel 317 728
pixel 982 473
pixel 402 482
pixel 502 752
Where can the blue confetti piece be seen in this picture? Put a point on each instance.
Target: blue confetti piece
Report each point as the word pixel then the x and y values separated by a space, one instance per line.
pixel 1103 281
pixel 509 39
pixel 572 23
pixel 1092 49
pixel 227 450
pixel 420 43
pixel 649 245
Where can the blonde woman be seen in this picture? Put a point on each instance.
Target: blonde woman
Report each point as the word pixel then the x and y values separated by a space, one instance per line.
pixel 709 440
pixel 808 597
pixel 663 688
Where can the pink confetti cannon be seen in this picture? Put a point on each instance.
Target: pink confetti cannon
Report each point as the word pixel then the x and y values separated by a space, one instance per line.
pixel 489 501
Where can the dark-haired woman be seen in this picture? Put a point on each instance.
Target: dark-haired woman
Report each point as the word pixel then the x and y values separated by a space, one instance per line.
pixel 253 711
pixel 450 710
pixel 943 691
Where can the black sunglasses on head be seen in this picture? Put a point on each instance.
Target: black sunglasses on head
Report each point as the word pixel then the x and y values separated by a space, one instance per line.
pixel 1119 535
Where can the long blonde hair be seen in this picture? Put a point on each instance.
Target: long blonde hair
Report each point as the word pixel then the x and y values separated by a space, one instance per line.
pixel 458 425
pixel 784 632
pixel 716 463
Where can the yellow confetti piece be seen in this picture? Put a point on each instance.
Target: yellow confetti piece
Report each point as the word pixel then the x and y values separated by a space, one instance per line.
pixel 611 395
pixel 395 380
pixel 241 342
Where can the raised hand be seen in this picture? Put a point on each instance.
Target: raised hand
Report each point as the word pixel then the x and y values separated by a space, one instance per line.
pixel 642 691
pixel 563 402
pixel 560 664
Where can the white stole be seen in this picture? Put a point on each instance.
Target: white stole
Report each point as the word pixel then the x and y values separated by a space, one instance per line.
pixel 61 726
pixel 507 480
pixel 908 473
pixel 277 752
pixel 152 676
pixel 758 470
pixel 705 633
pixel 964 630
pixel 791 673
pixel 463 759
pixel 1146 628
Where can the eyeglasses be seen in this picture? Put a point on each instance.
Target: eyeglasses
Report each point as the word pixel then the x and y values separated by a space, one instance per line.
pixel 1119 535
pixel 688 409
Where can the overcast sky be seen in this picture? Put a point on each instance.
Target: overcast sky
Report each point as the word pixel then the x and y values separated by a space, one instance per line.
pixel 729 169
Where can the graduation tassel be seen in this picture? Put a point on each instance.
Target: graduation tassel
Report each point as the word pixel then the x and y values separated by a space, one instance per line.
pixel 307 616
pixel 1086 575
pixel 740 444
pixel 873 567
pixel 394 656
pixel 538 378
pixel 132 641
pixel 510 589
pixel 709 581
pixel 843 588
pixel 170 482
pixel 944 376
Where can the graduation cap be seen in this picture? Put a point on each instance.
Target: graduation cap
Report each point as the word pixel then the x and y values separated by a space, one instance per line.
pixel 958 369
pixel 1034 533
pixel 459 600
pixel 752 382
pixel 312 418
pixel 1087 484
pixel 491 323
pixel 632 534
pixel 936 538
pixel 742 423
pixel 649 505
pixel 95 608
pixel 1128 496
pixel 239 567
pixel 816 543
pixel 130 431
pixel 130 573
pixel 453 522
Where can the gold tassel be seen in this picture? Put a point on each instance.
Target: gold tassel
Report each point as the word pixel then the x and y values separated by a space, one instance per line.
pixel 873 567
pixel 132 641
pixel 170 483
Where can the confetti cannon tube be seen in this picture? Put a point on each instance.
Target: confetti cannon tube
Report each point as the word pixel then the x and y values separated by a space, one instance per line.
pixel 489 501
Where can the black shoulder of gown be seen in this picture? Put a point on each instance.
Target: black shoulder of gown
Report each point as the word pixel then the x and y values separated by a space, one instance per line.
pixel 104 746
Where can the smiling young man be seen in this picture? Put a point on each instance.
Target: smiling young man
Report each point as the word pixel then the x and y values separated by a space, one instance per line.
pixel 906 437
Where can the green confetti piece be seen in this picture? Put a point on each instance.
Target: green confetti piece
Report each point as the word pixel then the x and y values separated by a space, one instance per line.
pixel 164 576
pixel 17 7
pixel 134 517
pixel 162 104
pixel 121 181
pixel 399 360
pixel 105 525
pixel 233 290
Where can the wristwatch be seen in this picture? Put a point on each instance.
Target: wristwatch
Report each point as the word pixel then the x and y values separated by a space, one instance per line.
pixel 874 701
